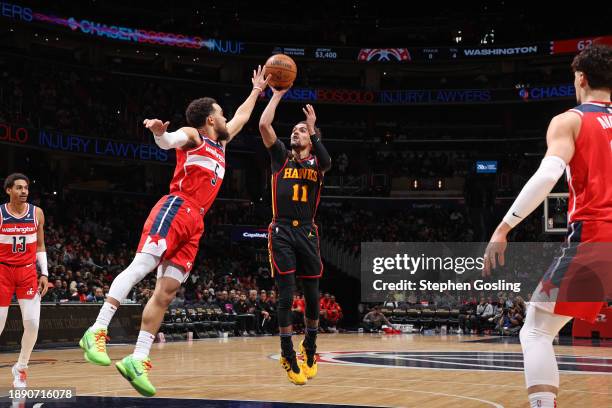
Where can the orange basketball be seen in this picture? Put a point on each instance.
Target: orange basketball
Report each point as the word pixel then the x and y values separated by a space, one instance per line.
pixel 283 70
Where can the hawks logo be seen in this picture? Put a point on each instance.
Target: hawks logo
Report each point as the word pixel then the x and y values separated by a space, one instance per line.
pixel 459 360
pixel 384 54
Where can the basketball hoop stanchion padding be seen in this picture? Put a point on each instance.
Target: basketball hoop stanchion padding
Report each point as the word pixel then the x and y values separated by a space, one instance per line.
pixel 555 213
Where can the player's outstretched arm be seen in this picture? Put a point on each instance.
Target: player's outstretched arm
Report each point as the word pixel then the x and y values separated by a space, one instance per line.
pixel 267 117
pixel 319 150
pixel 184 137
pixel 560 139
pixel 243 113
pixel 41 253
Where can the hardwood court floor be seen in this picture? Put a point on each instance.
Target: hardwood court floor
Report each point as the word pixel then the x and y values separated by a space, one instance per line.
pixel 245 369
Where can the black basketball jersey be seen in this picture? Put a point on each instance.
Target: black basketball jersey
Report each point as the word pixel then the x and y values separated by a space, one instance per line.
pixel 296 186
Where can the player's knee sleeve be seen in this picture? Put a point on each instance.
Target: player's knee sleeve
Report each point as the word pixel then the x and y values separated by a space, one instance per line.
pixel 30 327
pixel 30 309
pixel 3 315
pixel 311 297
pixel 28 339
pixel 140 267
pixel 30 312
pixel 537 335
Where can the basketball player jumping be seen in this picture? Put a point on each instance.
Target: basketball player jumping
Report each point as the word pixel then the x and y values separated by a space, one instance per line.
pixel 581 140
pixel 22 246
pixel 172 232
pixel 293 237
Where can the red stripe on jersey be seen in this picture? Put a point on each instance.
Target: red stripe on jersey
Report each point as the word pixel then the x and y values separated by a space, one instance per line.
pixel 590 191
pixel 274 195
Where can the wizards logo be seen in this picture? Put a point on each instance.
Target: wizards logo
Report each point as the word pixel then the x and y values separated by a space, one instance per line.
pixel 384 54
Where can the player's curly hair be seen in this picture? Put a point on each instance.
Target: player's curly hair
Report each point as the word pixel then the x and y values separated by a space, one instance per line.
pixel 596 63
pixel 10 180
pixel 198 110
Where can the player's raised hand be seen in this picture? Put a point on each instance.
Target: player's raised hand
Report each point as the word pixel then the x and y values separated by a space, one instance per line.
pixel 279 92
pixel 311 118
pixel 494 254
pixel 259 80
pixel 43 285
pixel 156 126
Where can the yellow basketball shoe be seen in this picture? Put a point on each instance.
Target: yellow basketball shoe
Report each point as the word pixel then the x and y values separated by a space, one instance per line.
pixel 309 361
pixel 295 374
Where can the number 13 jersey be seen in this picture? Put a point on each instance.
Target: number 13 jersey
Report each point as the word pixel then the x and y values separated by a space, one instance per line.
pixel 18 236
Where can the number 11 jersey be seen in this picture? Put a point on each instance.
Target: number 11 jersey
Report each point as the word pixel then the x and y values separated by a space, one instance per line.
pixel 296 186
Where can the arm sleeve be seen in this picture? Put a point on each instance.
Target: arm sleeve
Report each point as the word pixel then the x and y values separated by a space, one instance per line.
pixel 173 140
pixel 321 153
pixel 535 190
pixel 278 155
pixel 41 260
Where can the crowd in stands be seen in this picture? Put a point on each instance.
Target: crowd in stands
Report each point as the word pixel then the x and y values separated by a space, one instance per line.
pixel 111 102
pixel 86 102
pixel 344 226
pixel 504 316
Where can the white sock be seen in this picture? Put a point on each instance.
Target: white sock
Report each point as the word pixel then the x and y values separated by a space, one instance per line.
pixel 104 317
pixel 542 400
pixel 143 345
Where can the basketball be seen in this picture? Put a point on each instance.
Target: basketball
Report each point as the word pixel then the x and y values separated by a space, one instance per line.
pixel 283 70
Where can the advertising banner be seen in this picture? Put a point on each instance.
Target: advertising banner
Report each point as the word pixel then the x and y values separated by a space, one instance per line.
pixel 66 142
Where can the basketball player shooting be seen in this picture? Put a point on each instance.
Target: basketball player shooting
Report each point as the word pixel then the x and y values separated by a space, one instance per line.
pixel 293 236
pixel 172 232
pixel 579 140
pixel 22 246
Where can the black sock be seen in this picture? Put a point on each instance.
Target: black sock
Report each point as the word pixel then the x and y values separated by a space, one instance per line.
pixel 310 344
pixel 288 352
pixel 310 341
pixel 287 346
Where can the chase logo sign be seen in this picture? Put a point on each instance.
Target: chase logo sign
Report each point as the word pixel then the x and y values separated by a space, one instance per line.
pixel 547 92
pixel 384 54
pixel 486 167
pixel 459 360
